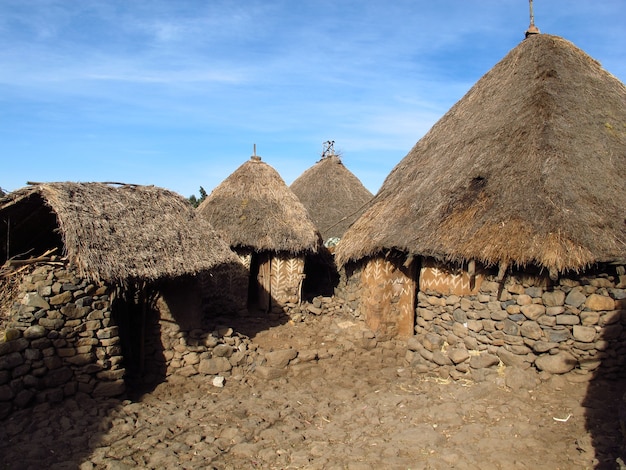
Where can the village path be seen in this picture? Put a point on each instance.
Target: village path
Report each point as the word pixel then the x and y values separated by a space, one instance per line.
pixel 357 407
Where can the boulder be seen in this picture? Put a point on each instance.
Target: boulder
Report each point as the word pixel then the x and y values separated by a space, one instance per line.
pixel 214 366
pixel 584 334
pixel 32 299
pixel 458 355
pixel 576 297
pixel 280 358
pixel 560 363
pixel 533 311
pixel 553 299
pixel 598 302
pixel 519 379
pixel 484 361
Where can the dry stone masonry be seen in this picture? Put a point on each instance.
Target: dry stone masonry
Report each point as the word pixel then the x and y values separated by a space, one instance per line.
pixel 62 338
pixel 575 325
pixel 59 340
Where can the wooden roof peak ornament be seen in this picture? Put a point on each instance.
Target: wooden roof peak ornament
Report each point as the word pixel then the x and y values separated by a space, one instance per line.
pixel 328 149
pixel 255 157
pixel 532 29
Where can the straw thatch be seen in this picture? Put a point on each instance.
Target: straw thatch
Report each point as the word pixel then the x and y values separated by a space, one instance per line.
pixel 112 233
pixel 333 196
pixel 253 208
pixel 528 168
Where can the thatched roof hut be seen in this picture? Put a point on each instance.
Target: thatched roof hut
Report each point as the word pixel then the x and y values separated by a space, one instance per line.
pixel 268 227
pixel 528 168
pixel 111 233
pixel 333 196
pixel 254 208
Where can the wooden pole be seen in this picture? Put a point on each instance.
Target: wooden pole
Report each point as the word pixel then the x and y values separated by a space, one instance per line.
pixel 142 333
pixel 8 236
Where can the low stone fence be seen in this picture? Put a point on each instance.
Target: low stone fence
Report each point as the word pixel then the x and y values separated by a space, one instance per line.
pixel 348 291
pixel 576 325
pixel 58 339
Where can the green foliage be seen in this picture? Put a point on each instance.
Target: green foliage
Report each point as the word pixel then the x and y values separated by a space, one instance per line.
pixel 194 201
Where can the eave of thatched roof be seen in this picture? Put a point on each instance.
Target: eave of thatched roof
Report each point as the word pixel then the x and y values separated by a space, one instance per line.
pixel 333 196
pixel 529 167
pixel 119 233
pixel 254 208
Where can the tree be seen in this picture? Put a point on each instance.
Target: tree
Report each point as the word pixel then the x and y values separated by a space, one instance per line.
pixel 194 201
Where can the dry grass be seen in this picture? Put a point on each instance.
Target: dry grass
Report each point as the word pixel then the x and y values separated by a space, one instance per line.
pixel 333 196
pixel 254 208
pixel 114 232
pixel 522 170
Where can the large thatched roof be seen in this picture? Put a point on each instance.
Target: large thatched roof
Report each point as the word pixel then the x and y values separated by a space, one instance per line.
pixel 529 167
pixel 110 232
pixel 333 196
pixel 254 208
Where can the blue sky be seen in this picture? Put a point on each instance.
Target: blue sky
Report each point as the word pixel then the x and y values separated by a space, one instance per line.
pixel 176 93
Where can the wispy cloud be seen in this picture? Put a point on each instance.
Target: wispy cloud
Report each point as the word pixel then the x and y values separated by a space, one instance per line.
pixel 193 84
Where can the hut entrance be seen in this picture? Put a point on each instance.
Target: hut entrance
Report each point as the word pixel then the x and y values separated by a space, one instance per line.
pixel 134 311
pixel 275 280
pixel 389 295
pixel 322 276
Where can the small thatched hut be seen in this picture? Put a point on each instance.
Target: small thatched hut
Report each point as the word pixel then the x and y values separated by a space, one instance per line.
pixel 334 198
pixel 525 175
pixel 85 265
pixel 265 223
pixel 111 233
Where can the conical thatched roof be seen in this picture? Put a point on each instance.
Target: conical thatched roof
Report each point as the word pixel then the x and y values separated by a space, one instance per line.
pixel 113 233
pixel 529 167
pixel 332 195
pixel 254 208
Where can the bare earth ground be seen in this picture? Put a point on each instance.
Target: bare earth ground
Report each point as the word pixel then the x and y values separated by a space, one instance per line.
pixel 353 408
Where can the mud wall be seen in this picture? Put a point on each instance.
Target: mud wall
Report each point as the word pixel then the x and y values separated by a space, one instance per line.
pixel 58 340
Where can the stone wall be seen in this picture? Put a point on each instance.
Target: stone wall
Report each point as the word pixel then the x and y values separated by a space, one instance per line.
pixel 576 325
pixel 184 339
pixel 59 339
pixel 349 289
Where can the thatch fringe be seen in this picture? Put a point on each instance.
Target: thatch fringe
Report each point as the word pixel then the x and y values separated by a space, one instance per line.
pixel 529 167
pixel 114 233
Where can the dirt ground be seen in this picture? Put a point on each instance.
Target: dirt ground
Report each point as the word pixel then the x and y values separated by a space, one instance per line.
pixel 357 406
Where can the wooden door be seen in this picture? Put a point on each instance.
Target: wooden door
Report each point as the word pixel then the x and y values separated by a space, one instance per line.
pixel 264 281
pixel 389 296
pixel 287 278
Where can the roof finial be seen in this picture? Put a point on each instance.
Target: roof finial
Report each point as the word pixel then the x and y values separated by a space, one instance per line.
pixel 254 156
pixel 328 148
pixel 532 29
